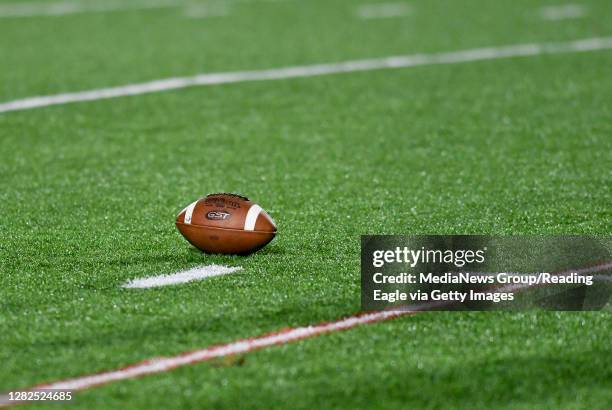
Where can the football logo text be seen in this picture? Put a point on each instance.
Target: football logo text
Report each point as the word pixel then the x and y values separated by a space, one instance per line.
pixel 218 215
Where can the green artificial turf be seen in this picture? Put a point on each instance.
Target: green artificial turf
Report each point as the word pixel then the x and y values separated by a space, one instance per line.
pixel 89 192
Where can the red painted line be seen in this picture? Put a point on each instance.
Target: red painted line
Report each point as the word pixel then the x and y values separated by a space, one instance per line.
pixel 164 364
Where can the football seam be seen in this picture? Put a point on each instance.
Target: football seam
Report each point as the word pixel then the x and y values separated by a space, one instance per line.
pixel 224 229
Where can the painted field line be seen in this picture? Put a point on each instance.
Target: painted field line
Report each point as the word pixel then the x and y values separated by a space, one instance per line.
pixel 382 10
pixel 563 12
pixel 190 275
pixel 199 11
pixel 218 9
pixel 395 62
pixel 67 7
pixel 62 8
pixel 164 364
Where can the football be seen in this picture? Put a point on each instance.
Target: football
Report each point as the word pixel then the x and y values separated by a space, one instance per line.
pixel 226 223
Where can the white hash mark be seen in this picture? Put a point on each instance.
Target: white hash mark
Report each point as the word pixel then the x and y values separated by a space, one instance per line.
pixel 199 273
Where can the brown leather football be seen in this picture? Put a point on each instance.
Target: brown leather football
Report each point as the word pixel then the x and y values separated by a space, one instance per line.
pixel 226 223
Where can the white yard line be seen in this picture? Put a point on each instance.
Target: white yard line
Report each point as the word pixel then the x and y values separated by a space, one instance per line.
pixel 190 275
pixel 192 9
pixel 40 9
pixel 382 10
pixel 199 11
pixel 164 364
pixel 563 12
pixel 393 62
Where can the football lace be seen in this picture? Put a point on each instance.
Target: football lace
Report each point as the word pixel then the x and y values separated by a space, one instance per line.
pixel 228 194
